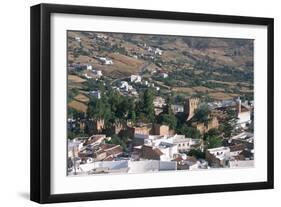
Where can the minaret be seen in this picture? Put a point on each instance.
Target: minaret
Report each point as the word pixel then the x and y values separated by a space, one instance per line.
pixel 238 106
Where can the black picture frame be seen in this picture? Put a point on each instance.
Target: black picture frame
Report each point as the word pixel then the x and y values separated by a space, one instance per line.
pixel 41 98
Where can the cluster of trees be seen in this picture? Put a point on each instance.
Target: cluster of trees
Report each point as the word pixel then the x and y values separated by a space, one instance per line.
pixel 228 126
pixel 113 107
pixel 167 117
pixel 189 131
pixel 213 139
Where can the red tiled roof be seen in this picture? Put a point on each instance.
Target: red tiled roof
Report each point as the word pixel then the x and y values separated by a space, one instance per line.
pixel 178 159
pixel 158 151
pixel 151 153
pixel 114 151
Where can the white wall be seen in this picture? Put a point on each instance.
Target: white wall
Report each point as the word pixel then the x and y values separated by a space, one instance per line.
pixel 14 178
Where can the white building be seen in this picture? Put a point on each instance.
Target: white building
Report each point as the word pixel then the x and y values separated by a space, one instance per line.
pixel 124 85
pixel 87 76
pixel 99 72
pixel 96 94
pixel 78 39
pixel 245 136
pixel 177 108
pixel 184 144
pixel 168 150
pixel 101 36
pixel 135 78
pixel 218 157
pixel 105 60
pixel 158 51
pixel 175 143
pixel 164 75
pixel 89 67
pixel 159 102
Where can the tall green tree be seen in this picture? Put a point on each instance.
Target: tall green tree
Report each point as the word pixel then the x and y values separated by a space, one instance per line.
pixel 230 122
pixel 211 132
pixel 213 142
pixel 167 116
pixel 189 132
pixel 147 105
pixel 96 109
pixel 131 110
pixel 168 119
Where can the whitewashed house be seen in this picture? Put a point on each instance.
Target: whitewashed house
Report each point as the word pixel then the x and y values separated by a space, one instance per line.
pixel 105 60
pixel 96 94
pixel 89 67
pixel 218 157
pixel 164 75
pixel 135 78
pixel 78 39
pixel 158 51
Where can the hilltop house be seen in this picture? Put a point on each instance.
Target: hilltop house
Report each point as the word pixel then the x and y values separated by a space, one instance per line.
pixel 78 39
pixel 105 60
pixel 89 67
pixel 96 94
pixel 135 78
pixel 164 75
pixel 90 74
pixel 177 108
pixel 157 51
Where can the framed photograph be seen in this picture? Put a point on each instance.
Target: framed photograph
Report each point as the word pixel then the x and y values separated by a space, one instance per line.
pixel 132 103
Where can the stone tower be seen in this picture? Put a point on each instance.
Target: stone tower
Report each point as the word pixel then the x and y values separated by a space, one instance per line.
pixel 191 104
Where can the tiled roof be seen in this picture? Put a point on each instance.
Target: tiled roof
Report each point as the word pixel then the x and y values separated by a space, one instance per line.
pixel 237 147
pixel 158 151
pixel 178 159
pixel 114 151
pixel 94 139
pixel 151 153
pixel 246 153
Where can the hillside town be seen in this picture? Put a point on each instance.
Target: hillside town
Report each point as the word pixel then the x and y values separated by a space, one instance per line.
pixel 138 121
